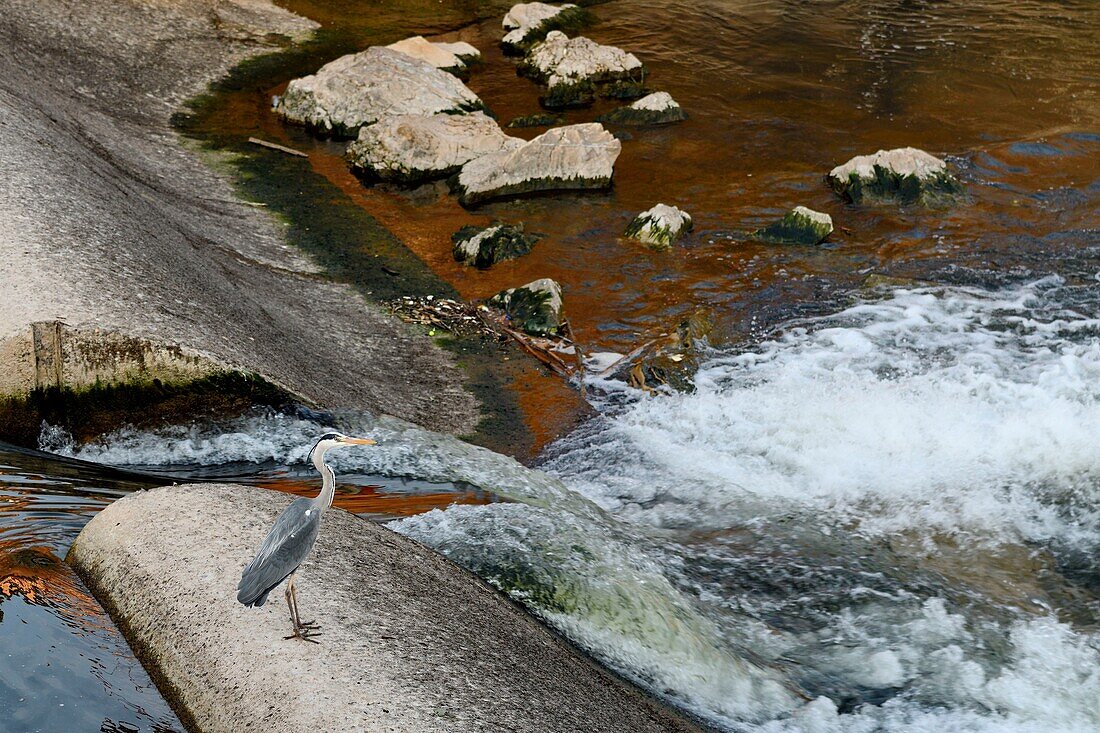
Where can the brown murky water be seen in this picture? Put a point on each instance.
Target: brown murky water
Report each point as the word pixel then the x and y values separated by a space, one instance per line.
pixel 778 93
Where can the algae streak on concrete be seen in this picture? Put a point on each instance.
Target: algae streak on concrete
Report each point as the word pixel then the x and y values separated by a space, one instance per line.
pixel 114 229
pixel 411 642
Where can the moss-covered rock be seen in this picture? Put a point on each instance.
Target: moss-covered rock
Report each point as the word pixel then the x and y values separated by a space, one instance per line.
pixel 560 59
pixel 798 226
pixel 569 95
pixel 483 247
pixel 535 308
pixel 658 108
pixel 529 23
pixel 626 89
pixel 904 175
pixel 88 412
pixel 659 227
pixel 536 120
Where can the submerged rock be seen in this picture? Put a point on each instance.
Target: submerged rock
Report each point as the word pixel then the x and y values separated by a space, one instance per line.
pixel 357 89
pixel 562 58
pixel 528 23
pixel 535 308
pixel 571 157
pixel 412 148
pixel 658 108
pixel 535 120
pixel 483 247
pixel 625 89
pixel 903 174
pixel 451 57
pixel 798 226
pixel 569 95
pixel 660 226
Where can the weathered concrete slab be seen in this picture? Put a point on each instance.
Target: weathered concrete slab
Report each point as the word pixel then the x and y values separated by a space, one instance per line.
pixel 116 230
pixel 411 641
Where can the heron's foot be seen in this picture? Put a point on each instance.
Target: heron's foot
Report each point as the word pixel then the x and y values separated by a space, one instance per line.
pixel 304 633
pixel 313 625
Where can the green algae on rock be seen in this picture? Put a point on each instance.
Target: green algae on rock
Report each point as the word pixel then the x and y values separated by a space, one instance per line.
pixel 529 23
pixel 569 95
pixel 563 58
pixel 85 413
pixel 659 227
pixel 535 120
pixel 905 175
pixel 658 108
pixel 625 89
pixel 483 247
pixel 534 308
pixel 798 226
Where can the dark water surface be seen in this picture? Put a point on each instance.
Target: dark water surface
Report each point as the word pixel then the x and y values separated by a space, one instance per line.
pixel 877 512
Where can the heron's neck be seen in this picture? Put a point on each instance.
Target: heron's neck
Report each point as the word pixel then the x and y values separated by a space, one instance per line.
pixel 328 481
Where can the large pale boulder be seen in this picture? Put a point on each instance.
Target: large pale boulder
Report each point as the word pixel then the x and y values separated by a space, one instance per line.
pixel 528 23
pixel 534 308
pixel 798 226
pixel 660 226
pixel 450 57
pixel 658 108
pixel 412 148
pixel 563 60
pixel 572 157
pixel 902 174
pixel 358 89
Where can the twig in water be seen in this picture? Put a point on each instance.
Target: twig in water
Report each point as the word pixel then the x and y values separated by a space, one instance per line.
pixel 276 146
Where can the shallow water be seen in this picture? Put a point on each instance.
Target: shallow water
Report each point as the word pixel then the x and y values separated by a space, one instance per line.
pixel 879 510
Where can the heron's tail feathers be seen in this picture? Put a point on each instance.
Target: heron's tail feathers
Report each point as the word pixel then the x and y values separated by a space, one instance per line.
pixel 251 591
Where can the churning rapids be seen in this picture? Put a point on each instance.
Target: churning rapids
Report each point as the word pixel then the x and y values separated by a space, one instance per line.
pixel 883 519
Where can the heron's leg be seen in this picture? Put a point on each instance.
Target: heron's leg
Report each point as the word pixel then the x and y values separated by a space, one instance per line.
pixel 291 605
pixel 302 630
pixel 297 614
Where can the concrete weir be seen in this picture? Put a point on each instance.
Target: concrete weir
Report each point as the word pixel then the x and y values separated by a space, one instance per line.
pixel 411 642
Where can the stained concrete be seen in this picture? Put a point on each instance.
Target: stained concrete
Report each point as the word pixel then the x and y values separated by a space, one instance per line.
pixel 411 642
pixel 113 229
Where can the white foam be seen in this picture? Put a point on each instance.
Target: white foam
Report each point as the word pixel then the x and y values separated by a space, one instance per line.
pixel 959 412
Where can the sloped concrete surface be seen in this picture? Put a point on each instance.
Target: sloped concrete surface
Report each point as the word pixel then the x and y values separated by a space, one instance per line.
pixel 411 642
pixel 110 225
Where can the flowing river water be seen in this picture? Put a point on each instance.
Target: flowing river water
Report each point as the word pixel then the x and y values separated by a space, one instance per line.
pixel 877 510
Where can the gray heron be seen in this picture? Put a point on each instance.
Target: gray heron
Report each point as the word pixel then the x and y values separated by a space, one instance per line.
pixel 290 540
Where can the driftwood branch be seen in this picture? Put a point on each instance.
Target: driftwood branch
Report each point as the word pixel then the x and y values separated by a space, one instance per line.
pixel 276 146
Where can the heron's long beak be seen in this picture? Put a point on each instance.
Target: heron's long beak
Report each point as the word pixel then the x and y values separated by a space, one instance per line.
pixel 359 441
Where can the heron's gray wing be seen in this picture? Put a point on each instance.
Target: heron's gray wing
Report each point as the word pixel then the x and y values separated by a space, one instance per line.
pixel 283 550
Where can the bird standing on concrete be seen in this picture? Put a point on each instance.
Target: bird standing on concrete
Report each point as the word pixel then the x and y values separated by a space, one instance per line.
pixel 291 538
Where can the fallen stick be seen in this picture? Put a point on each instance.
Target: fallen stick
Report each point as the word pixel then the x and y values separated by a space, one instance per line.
pixel 276 146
